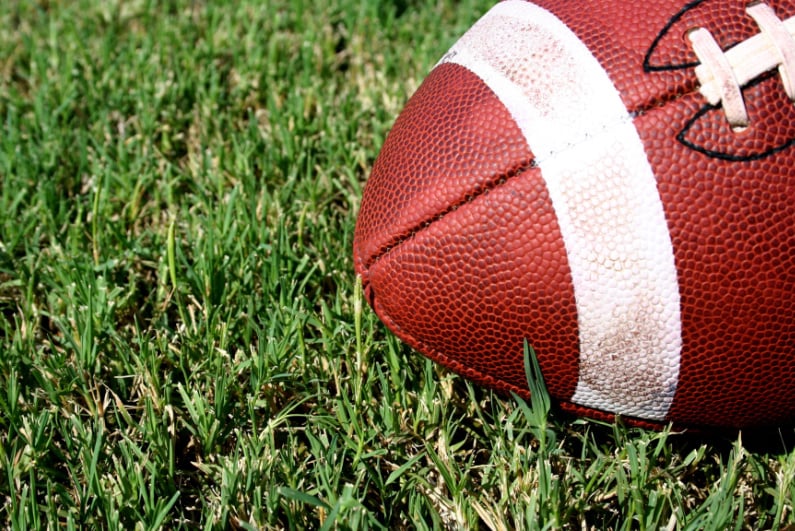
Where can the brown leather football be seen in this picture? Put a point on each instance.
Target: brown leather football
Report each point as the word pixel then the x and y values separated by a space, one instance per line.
pixel 613 182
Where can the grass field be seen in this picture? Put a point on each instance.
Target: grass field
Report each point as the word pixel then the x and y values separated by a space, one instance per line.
pixel 182 340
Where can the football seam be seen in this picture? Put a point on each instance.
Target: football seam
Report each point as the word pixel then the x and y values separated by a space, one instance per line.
pixel 497 180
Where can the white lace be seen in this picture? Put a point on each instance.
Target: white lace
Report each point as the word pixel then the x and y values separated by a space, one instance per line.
pixel 723 74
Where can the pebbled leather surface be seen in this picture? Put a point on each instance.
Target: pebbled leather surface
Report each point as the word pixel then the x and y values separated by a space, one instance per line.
pixel 460 254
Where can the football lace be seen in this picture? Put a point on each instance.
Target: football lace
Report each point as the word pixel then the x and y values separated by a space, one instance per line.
pixel 722 74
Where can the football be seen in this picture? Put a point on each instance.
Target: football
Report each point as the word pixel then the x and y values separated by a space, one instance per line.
pixel 613 182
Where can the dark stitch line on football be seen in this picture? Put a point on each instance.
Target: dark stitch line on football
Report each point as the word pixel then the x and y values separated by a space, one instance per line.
pixel 681 136
pixel 647 66
pixel 721 155
pixel 724 155
pixel 469 198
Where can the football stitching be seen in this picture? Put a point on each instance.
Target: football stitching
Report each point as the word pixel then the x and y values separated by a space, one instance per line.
pixel 647 60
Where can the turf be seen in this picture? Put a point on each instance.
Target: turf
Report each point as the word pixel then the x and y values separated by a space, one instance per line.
pixel 182 340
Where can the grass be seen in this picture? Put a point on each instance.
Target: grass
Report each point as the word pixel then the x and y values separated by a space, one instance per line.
pixel 183 342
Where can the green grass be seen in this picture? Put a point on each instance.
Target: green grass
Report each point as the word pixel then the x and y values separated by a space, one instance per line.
pixel 182 340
